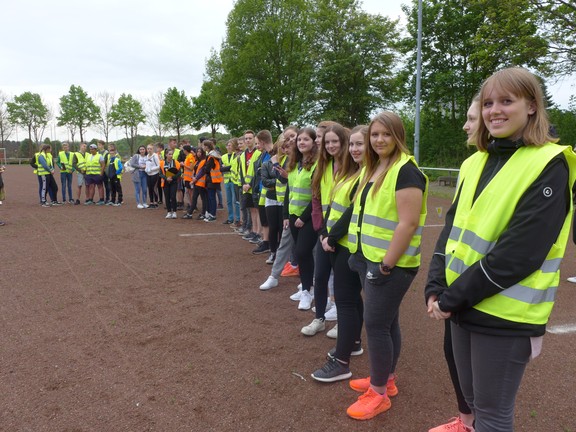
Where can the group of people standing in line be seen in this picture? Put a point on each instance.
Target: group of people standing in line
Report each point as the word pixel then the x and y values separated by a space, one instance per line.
pixel 353 203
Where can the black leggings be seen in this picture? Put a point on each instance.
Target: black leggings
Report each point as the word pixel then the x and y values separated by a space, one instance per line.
pixel 198 192
pixel 349 304
pixel 275 222
pixel 151 182
pixel 322 269
pixel 304 241
pixel 170 195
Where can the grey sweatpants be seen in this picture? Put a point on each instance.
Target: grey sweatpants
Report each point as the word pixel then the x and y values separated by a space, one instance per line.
pixel 282 253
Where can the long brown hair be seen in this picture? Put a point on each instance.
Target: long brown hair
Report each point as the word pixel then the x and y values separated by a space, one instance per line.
pixel 296 156
pixel 324 157
pixel 393 123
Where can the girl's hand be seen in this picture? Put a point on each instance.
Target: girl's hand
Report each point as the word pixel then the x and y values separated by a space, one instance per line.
pixel 298 223
pixel 286 223
pixel 435 311
pixel 326 246
pixel 168 179
pixel 281 171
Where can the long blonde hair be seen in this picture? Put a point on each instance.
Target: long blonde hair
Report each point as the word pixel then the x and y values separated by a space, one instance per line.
pixel 393 123
pixel 522 84
pixel 324 157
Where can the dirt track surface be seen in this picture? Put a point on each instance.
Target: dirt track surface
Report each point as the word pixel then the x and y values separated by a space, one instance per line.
pixel 113 321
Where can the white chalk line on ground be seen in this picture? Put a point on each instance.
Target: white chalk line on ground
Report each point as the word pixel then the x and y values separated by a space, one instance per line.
pixel 206 234
pixel 562 329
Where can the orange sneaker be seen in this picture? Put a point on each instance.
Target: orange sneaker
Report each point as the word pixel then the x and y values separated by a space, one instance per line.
pixel 369 405
pixel 288 270
pixel 363 384
pixel 455 424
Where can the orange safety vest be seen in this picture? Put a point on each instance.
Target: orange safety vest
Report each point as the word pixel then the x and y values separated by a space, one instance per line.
pixel 189 163
pixel 176 165
pixel 215 173
pixel 201 182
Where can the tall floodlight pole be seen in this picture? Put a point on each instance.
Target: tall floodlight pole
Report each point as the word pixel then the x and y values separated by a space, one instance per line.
pixel 418 75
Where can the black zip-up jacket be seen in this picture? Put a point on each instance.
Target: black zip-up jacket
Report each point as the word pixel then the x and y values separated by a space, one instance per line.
pixel 520 250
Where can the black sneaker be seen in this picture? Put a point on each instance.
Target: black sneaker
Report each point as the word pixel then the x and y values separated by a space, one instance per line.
pixel 255 240
pixel 187 216
pixel 263 248
pixel 77 202
pixel 356 350
pixel 271 258
pixel 332 371
pixel 227 222
pixel 249 236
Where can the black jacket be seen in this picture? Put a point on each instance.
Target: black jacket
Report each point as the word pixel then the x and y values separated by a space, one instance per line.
pixel 521 250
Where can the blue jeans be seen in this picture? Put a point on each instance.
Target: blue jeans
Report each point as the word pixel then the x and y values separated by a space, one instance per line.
pixel 140 192
pixel 211 198
pixel 233 205
pixel 66 182
pixel 141 188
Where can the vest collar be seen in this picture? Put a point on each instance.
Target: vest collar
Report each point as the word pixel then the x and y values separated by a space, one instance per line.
pixel 504 146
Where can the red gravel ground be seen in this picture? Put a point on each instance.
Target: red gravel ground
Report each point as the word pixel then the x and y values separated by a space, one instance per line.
pixel 111 320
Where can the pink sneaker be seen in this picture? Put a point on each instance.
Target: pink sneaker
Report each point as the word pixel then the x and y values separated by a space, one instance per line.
pixel 454 425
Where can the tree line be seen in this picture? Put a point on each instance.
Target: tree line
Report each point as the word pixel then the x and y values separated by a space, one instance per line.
pixel 301 61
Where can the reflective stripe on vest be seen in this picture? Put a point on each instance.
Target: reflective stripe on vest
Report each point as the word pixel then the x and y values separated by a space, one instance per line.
pixel 81 158
pixel 215 173
pixel 48 158
pixel 189 163
pixel 66 161
pixel 380 219
pixel 227 161
pixel 300 189
pixel 326 185
pixel 340 203
pixel 93 164
pixel 281 187
pixel 249 173
pixel 201 182
pixel 478 226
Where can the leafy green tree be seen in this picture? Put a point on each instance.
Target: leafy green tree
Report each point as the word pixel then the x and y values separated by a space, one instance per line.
pixel 176 113
pixel 464 42
pixel 28 111
pixel 77 111
pixel 263 74
pixel 204 111
pixel 128 114
pixel 558 24
pixel 6 126
pixel 356 57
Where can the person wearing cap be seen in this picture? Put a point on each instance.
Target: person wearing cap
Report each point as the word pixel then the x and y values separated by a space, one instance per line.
pixel 94 172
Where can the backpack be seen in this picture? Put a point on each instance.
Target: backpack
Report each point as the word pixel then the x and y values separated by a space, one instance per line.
pixel 33 163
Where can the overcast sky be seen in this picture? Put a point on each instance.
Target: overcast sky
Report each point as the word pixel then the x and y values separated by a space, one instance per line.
pixel 132 46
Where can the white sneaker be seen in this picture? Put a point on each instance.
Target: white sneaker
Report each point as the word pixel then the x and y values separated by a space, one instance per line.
pixel 144 205
pixel 300 286
pixel 169 216
pixel 174 215
pixel 331 314
pixel 317 325
pixel 140 206
pixel 305 300
pixel 329 305
pixel 333 332
pixel 271 282
pixel 296 295
pixel 572 279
